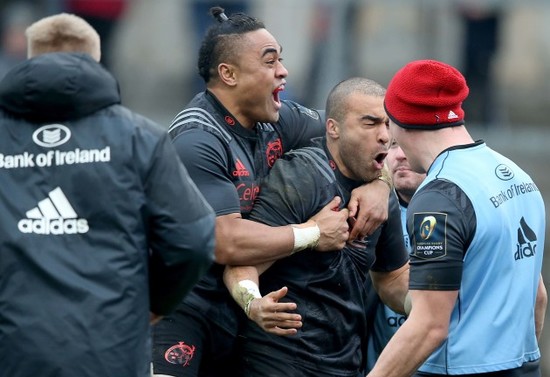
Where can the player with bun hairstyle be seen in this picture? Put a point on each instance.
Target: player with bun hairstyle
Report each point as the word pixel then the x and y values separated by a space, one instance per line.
pixel 229 137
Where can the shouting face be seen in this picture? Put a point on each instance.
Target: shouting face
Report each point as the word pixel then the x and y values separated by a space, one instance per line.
pixel 259 76
pixel 362 137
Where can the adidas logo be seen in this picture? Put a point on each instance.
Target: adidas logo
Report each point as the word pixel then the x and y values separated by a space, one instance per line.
pixel 452 115
pixel 240 170
pixel 526 246
pixel 53 215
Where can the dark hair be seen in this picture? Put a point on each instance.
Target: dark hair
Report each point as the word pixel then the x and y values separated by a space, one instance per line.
pixel 220 43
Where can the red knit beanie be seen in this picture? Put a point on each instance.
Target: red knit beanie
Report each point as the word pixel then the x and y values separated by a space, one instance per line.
pixel 426 95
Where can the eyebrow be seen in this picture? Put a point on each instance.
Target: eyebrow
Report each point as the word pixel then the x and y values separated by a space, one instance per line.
pixel 272 50
pixel 374 118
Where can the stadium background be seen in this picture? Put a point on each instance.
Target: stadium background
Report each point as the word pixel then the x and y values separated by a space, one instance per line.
pixel 154 53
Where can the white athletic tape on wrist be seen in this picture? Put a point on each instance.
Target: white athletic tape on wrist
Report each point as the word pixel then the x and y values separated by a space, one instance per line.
pixel 305 238
pixel 244 292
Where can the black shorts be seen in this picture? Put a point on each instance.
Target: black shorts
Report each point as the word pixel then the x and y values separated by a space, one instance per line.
pixel 261 360
pixel 269 368
pixel 529 369
pixel 187 344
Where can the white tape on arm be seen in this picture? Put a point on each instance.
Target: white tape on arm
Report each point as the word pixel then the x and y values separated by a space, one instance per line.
pixel 305 238
pixel 244 292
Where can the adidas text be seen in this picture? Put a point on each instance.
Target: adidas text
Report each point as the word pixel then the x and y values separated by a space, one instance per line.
pixel 241 173
pixel 53 215
pixel 53 226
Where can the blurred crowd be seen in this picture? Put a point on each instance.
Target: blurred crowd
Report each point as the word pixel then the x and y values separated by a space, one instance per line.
pixel 504 62
pixel 338 39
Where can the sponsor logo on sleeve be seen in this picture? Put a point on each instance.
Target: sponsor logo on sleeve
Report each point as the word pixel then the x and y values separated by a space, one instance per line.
pixel 430 235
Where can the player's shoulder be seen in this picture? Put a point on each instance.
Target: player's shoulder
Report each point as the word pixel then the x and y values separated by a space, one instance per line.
pixel 309 161
pixel 291 108
pixel 440 187
pixel 314 155
pixel 442 196
pixel 199 122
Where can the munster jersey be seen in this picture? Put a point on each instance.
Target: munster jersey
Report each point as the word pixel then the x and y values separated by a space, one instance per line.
pixel 227 163
pixel 477 225
pixel 328 287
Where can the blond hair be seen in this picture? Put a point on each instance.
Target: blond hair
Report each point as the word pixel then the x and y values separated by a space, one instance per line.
pixel 62 33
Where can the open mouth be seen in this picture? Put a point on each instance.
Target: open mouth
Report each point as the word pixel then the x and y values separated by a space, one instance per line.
pixel 380 157
pixel 276 93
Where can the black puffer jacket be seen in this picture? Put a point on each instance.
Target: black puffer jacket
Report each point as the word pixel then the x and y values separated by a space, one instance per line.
pixel 96 211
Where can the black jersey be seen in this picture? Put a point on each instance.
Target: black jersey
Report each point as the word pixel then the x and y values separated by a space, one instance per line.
pixel 328 287
pixel 227 163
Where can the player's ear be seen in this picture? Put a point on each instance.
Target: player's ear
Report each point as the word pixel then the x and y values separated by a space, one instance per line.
pixel 227 73
pixel 333 128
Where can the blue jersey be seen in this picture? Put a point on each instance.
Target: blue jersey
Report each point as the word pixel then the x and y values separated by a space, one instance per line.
pixel 477 225
pixel 385 321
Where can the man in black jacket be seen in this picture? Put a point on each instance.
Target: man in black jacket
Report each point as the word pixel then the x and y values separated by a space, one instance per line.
pixel 102 230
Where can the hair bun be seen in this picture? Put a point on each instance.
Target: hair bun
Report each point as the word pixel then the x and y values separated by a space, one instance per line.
pixel 218 14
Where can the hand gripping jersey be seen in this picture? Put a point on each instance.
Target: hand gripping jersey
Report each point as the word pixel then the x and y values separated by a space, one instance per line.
pixel 227 163
pixel 477 224
pixel 328 287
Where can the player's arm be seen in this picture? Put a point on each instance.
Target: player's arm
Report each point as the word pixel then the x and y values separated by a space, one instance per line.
pixel 540 307
pixel 304 192
pixel 271 315
pixel 392 287
pixel 245 242
pixel 181 233
pixel 424 330
pixel 240 241
pixel 434 280
pixel 390 271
